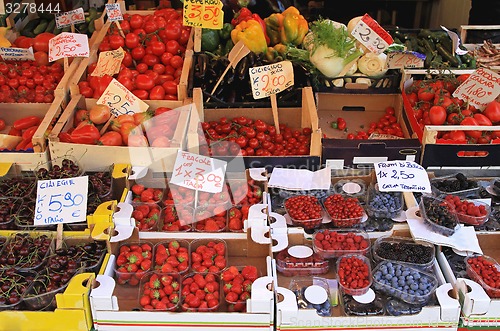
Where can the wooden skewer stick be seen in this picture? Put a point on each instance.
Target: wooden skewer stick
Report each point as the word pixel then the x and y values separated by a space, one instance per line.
pixel 274 107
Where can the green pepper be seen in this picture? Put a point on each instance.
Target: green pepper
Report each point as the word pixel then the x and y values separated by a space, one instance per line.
pixel 225 32
pixel 209 40
pixel 228 47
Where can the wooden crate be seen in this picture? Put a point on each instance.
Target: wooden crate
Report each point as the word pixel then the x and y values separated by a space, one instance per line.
pixel 94 157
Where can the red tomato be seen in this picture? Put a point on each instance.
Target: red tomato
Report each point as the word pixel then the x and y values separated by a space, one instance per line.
pixel 85 134
pixel 170 87
pixel 461 78
pixel 116 41
pixel 185 34
pixel 173 47
pixel 132 40
pixel 111 138
pixel 471 121
pixel 157 93
pixel 457 135
pixel 41 42
pixel 2 124
pixel 437 115
pixel 144 82
pixel 157 48
pixel 26 122
pixel 492 111
pixel 176 61
pixel 173 31
pixel 138 53
pixel 482 119
pixel 425 94
pixel 136 21
pixel 150 60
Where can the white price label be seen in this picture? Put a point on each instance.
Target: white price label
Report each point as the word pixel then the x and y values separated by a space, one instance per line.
pixel 68 45
pixel 405 59
pixel 198 172
pixel 482 87
pixel 402 176
pixel 17 54
pixel 369 33
pixel 120 100
pixel 70 17
pixel 271 79
pixel 114 12
pixel 61 201
pixel 109 63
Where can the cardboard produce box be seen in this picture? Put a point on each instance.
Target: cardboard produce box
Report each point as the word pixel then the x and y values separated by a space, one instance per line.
pixel 92 157
pixel 359 110
pixel 117 306
pixel 293 117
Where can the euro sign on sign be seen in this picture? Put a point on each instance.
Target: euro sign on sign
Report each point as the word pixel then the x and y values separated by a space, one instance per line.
pixel 271 79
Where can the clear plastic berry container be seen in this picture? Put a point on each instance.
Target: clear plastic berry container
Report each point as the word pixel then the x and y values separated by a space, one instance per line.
pixel 448 185
pixel 186 303
pixel 85 252
pixel 464 218
pixel 3 241
pixel 439 215
pixel 176 218
pixel 171 256
pixel 333 243
pixel 8 212
pixel 354 290
pixel 101 182
pixel 355 188
pixel 400 249
pixel 351 205
pixel 162 283
pixel 300 260
pixel 17 186
pixel 208 249
pixel 416 290
pixel 210 218
pixel 125 268
pixel 26 251
pixel 312 293
pixel 18 282
pixel 383 204
pixel 179 195
pixel 25 215
pixel 236 302
pixel 492 286
pixel 309 223
pixel 59 167
pixel 146 215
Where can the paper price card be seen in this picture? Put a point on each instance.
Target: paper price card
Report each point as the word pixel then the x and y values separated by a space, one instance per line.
pixel 482 87
pixel 402 176
pixel 121 101
pixel 114 12
pixel 203 14
pixel 109 63
pixel 198 172
pixel 70 17
pixel 68 45
pixel 271 79
pixel 61 201
pixel 405 59
pixel 17 54
pixel 369 33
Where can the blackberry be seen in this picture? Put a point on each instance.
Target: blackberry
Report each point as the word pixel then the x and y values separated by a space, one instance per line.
pixel 405 252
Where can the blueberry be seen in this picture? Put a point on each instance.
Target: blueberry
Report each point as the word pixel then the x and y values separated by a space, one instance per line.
pixel 414 286
pixel 388 276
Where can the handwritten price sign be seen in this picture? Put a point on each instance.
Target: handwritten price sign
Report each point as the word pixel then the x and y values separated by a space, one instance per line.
pixel 68 45
pixel 121 101
pixel 70 17
pixel 198 172
pixel 369 33
pixel 109 63
pixel 406 59
pixel 203 14
pixel 271 79
pixel 402 176
pixel 114 12
pixel 17 54
pixel 482 87
pixel 61 201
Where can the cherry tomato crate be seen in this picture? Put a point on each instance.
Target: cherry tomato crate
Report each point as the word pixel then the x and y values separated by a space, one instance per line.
pixel 359 110
pixel 72 305
pixel 117 307
pixel 94 157
pixel 294 117
pixel 446 154
pixel 442 312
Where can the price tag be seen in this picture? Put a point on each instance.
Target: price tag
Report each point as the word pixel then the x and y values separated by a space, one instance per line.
pixel 405 59
pixel 120 100
pixel 203 14
pixel 68 45
pixel 455 41
pixel 369 33
pixel 61 201
pixel 114 12
pixel 109 63
pixel 198 172
pixel 402 176
pixel 17 54
pixel 482 87
pixel 70 17
pixel 271 79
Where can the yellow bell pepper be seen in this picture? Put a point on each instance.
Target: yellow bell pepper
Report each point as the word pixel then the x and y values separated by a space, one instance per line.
pixel 4 42
pixel 252 35
pixel 288 27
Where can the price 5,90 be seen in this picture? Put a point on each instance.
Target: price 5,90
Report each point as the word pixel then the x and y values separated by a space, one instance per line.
pixel 57 201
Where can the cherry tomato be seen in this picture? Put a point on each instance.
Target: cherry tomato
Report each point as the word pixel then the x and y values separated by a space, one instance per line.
pixel 437 115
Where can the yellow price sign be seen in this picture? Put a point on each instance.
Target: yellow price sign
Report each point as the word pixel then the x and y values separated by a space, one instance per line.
pixel 203 14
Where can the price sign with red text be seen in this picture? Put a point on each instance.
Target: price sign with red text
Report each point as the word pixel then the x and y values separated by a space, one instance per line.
pixel 121 101
pixel 114 12
pixel 109 63
pixel 198 172
pixel 70 17
pixel 203 14
pixel 369 33
pixel 271 79
pixel 405 59
pixel 68 45
pixel 482 87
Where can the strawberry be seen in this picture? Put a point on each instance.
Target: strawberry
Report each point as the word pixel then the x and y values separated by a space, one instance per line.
pixel 137 189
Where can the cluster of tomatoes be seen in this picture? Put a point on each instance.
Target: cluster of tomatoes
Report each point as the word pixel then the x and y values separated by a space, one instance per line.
pixel 97 126
pixel 344 211
pixel 433 104
pixel 237 286
pixel 386 124
pixel 488 273
pixel 25 128
pixel 154 47
pixel 248 137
